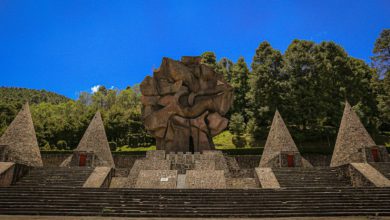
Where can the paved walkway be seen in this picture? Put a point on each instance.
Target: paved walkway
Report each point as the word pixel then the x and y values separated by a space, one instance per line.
pixel 25 217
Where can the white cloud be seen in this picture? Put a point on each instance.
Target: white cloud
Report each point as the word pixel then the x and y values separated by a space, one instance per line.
pixel 95 88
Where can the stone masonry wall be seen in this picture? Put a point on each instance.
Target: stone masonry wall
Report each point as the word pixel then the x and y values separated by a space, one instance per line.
pixel 121 161
pixel 244 161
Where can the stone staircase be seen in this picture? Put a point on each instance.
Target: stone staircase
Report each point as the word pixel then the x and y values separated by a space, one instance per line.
pixel 291 202
pixel 55 176
pixel 310 177
pixel 383 168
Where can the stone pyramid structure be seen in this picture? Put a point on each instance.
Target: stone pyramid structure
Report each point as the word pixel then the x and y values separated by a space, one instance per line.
pixel 20 141
pixel 95 139
pixel 279 140
pixel 351 139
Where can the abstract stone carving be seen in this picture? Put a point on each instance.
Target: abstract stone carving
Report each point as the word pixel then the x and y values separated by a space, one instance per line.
pixel 279 146
pixel 19 142
pixel 184 104
pixel 351 140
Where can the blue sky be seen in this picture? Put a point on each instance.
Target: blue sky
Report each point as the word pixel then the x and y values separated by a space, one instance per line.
pixel 68 46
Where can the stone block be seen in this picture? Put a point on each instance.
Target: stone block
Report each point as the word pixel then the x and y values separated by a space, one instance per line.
pixel 218 157
pixel 155 154
pixel 171 156
pixel 6 173
pixel 118 182
pixel 201 179
pixel 157 179
pixel 205 165
pixel 188 158
pixel 146 165
pixel 367 173
pixel 100 177
pixel 180 159
pixel 150 165
pixel 266 178
pixel 197 156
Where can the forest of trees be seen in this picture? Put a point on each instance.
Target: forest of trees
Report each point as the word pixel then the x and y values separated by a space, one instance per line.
pixel 60 124
pixel 308 84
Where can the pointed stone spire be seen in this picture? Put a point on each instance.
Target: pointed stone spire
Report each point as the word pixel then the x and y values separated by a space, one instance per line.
pixel 279 139
pixel 20 140
pixel 351 138
pixel 95 139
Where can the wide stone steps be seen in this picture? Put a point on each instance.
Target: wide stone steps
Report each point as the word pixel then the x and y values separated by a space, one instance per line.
pixel 195 203
pixel 383 168
pixel 309 177
pixel 55 176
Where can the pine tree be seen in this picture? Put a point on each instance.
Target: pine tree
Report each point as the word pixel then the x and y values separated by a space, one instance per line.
pixel 209 59
pixel 266 85
pixel 381 52
pixel 381 62
pixel 240 83
pixel 301 96
pixel 225 66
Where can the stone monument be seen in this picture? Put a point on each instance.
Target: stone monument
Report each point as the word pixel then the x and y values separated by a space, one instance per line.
pixel 184 104
pixel 280 149
pixel 159 170
pixel 19 142
pixel 354 144
pixel 93 149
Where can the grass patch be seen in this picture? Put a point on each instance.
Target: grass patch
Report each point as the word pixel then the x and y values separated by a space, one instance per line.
pixel 126 148
pixel 224 141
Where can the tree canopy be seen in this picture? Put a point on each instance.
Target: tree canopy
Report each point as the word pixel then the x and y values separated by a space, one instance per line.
pixel 308 83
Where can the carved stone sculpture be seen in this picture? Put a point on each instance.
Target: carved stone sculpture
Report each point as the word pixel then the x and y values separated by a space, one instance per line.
pixel 184 104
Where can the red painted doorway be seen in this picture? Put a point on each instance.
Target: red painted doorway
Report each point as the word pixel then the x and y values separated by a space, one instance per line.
pixel 82 160
pixel 290 160
pixel 375 155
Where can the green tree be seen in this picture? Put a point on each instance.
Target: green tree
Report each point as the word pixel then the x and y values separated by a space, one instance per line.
pixel 266 87
pixel 225 66
pixel 7 114
pixel 301 96
pixel 320 77
pixel 381 52
pixel 209 59
pixel 240 83
pixel 237 128
pixel 381 83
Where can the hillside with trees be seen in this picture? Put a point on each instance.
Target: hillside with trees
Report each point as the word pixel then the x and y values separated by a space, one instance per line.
pixel 12 95
pixel 308 84
pixel 12 99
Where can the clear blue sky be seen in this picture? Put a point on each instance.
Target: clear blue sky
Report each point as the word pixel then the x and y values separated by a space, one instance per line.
pixel 68 46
